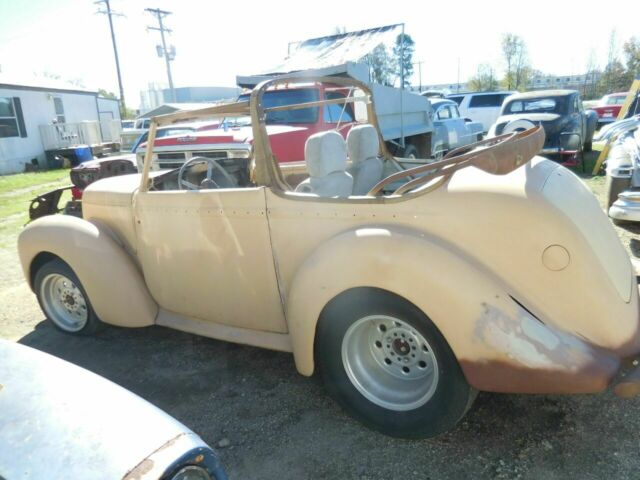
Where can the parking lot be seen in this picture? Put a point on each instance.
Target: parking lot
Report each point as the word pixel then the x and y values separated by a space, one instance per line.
pixel 267 421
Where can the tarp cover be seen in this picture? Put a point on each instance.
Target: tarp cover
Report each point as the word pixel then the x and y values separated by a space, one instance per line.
pixel 336 49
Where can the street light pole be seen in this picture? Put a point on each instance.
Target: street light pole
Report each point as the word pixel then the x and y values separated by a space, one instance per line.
pixel 160 14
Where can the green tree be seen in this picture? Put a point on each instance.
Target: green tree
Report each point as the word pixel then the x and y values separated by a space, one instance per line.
pixel 103 93
pixel 484 80
pixel 403 58
pixel 631 51
pixel 518 70
pixel 380 65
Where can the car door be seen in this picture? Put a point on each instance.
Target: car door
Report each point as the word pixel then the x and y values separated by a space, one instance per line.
pixel 207 255
pixel 459 125
pixel 443 117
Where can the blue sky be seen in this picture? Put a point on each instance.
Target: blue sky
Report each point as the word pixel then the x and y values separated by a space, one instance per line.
pixel 215 40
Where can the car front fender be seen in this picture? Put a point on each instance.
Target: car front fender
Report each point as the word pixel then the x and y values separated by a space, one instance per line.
pixel 500 346
pixel 111 278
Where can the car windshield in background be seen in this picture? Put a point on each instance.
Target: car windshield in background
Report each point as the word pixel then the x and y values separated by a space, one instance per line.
pixel 278 98
pixel 535 105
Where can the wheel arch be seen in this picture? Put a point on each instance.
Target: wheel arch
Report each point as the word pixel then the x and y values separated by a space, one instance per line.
pixel 112 280
pixel 384 258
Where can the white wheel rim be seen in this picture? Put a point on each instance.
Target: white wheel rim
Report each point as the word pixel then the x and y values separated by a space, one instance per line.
pixel 390 362
pixel 63 302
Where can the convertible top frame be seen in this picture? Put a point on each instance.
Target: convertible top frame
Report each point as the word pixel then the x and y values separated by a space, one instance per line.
pixel 499 155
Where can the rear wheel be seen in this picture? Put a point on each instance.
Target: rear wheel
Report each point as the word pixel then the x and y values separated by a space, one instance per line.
pixel 410 151
pixel 388 365
pixel 64 300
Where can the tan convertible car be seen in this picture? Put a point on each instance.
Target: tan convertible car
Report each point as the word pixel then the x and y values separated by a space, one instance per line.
pixel 407 286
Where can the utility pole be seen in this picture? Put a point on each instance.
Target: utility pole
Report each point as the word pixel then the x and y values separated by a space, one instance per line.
pixel 110 13
pixel 168 55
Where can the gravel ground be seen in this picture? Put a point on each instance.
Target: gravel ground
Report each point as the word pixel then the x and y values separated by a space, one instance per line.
pixel 269 422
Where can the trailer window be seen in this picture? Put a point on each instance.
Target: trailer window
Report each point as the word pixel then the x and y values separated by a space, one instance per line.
pixel 57 104
pixel 11 119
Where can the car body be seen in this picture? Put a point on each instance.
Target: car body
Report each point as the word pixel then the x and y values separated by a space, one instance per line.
pixel 402 296
pixel 623 176
pixel 58 420
pixel 609 107
pixel 452 131
pixel 81 176
pixel 568 127
pixel 483 107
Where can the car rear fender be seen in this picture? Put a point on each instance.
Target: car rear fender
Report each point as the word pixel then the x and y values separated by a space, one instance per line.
pixel 499 345
pixel 111 278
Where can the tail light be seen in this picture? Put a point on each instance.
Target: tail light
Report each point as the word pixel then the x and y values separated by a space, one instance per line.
pixel 76 193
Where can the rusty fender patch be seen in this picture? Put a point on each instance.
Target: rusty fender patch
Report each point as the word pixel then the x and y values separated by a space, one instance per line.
pixel 146 465
pixel 536 358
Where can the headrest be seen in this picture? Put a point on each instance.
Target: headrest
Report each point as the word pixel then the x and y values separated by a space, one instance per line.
pixel 325 152
pixel 363 143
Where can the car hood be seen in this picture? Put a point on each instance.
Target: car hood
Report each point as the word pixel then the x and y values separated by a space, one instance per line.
pixel 58 420
pixel 533 117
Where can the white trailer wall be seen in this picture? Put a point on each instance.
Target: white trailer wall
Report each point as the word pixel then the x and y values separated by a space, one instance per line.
pixel 38 109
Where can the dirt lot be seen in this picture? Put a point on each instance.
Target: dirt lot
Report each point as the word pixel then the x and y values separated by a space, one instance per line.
pixel 282 425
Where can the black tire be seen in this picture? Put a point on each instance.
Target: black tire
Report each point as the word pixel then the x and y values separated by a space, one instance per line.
pixel 59 267
pixel 452 396
pixel 614 187
pixel 410 151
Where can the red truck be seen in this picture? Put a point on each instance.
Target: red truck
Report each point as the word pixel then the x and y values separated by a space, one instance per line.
pixel 288 130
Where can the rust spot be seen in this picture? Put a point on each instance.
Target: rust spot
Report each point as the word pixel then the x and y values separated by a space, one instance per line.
pixel 199 458
pixel 140 470
pixel 506 377
pixel 526 356
pixel 146 465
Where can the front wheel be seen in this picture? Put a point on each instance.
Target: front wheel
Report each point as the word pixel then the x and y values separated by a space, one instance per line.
pixel 388 365
pixel 64 300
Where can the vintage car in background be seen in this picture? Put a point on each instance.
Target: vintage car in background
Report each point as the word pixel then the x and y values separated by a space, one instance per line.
pixel 451 130
pixel 483 107
pixel 128 136
pixel 568 127
pixel 623 176
pixel 386 280
pixel 59 421
pixel 81 176
pixel 609 107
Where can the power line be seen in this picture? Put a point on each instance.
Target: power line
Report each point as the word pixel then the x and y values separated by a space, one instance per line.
pixel 169 54
pixel 110 14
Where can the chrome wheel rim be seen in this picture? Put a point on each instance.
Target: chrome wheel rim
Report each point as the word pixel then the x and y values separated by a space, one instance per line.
pixel 390 362
pixel 63 302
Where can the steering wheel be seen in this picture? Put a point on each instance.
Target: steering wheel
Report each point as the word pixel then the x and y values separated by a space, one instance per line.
pixel 497 155
pixel 208 182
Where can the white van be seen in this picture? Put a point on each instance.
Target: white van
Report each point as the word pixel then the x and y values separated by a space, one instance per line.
pixel 483 107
